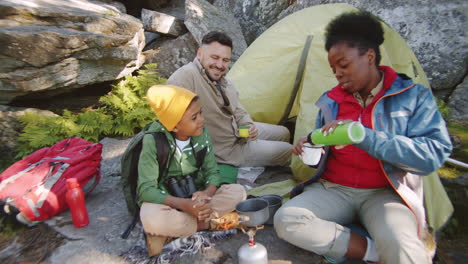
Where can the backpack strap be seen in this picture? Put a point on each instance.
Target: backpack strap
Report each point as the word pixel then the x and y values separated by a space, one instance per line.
pixel 200 157
pixel 13 178
pixel 163 153
pixel 162 148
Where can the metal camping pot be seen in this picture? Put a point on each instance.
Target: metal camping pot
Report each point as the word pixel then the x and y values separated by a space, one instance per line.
pixel 255 209
pixel 274 203
pixel 252 253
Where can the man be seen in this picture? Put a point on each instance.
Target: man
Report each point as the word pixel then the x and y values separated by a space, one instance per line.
pixel 267 145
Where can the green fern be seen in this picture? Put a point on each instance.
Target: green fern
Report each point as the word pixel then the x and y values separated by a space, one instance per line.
pixel 443 108
pixel 122 112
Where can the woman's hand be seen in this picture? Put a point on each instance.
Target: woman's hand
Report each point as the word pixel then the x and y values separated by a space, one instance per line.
pixel 330 127
pixel 298 148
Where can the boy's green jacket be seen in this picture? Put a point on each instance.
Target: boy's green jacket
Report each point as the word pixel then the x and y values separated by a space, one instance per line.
pixel 152 188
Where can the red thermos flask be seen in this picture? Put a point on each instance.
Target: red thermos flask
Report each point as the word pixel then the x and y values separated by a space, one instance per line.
pixel 76 202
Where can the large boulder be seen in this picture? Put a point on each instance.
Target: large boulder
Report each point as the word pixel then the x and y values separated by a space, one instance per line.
pixel 435 32
pixel 54 45
pixel 162 23
pixel 112 152
pixel 202 17
pixel 173 54
pixel 458 103
pixel 10 128
pixel 255 16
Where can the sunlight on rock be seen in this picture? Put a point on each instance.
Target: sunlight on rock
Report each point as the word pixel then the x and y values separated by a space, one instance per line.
pixel 24 3
pixel 197 10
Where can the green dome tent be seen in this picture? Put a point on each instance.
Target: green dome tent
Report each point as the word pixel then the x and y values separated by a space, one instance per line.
pixel 285 70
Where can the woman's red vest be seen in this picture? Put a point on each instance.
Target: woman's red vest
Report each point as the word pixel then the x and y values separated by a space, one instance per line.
pixel 352 166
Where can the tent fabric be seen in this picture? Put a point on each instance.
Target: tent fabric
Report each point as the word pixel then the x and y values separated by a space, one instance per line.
pixel 266 71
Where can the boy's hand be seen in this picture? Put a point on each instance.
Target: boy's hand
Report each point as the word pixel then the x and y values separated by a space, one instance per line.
pixel 205 195
pixel 204 212
pixel 201 210
pixel 201 197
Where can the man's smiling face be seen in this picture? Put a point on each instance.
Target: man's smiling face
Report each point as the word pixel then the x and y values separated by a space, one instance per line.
pixel 215 59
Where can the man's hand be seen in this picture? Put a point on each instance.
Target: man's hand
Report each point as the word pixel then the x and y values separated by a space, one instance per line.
pixel 253 132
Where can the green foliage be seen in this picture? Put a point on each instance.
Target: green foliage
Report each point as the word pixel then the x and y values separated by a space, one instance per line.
pixel 9 227
pixel 6 161
pixel 121 112
pixel 443 108
pixel 461 132
pixel 449 172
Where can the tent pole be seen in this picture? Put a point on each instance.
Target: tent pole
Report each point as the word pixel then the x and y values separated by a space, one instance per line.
pixel 297 82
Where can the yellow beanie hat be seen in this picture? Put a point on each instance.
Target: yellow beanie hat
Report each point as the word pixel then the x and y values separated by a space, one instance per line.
pixel 169 102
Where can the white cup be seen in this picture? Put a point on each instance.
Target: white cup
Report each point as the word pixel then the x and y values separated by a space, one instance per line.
pixel 311 154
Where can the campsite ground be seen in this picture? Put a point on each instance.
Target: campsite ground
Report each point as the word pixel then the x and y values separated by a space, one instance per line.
pixel 37 244
pixel 51 242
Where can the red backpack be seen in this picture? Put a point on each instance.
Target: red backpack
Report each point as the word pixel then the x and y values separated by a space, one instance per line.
pixel 34 187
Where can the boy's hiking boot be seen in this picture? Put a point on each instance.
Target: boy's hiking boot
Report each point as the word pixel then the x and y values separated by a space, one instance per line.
pixel 155 243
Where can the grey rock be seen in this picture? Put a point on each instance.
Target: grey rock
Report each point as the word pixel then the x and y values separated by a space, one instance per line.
pixel 100 239
pixel 12 250
pixel 150 37
pixel 80 43
pixel 255 16
pixel 174 8
pixel 173 54
pixel 458 103
pixel 435 30
pixel 118 5
pixel 161 23
pixel 461 180
pixel 202 17
pixel 10 127
pixel 112 151
pixel 155 4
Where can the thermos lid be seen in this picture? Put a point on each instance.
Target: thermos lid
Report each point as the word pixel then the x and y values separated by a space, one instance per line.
pixel 72 183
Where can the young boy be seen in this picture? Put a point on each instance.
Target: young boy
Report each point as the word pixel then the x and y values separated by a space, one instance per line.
pixel 162 213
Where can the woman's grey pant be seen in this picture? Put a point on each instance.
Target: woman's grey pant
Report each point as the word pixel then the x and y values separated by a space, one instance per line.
pixel 315 219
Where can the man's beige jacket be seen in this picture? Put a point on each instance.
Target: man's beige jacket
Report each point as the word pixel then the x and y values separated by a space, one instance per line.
pixel 221 121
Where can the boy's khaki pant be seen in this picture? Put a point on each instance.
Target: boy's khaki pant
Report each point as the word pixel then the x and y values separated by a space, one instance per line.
pixel 162 220
pixel 315 219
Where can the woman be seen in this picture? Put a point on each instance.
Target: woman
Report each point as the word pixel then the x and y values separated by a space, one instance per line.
pixel 377 182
